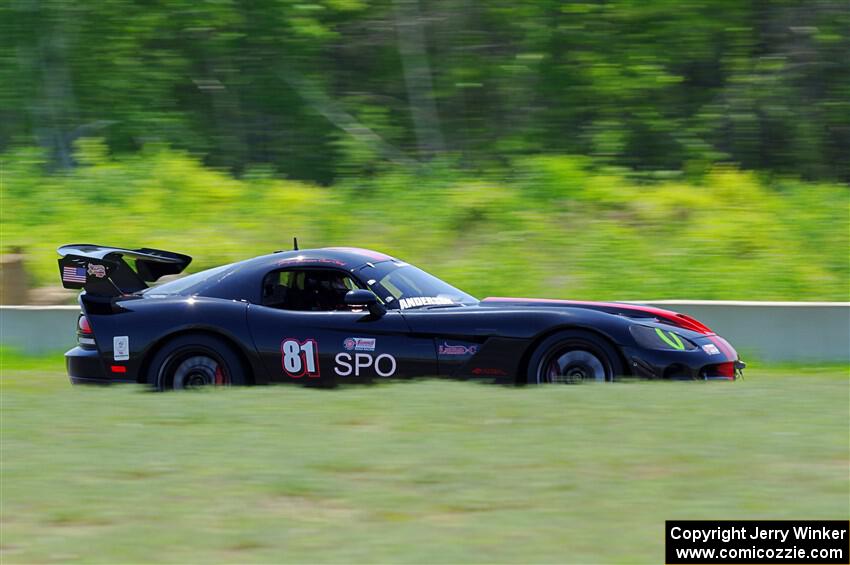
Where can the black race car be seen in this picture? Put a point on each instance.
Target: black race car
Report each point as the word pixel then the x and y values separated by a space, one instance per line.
pixel 341 314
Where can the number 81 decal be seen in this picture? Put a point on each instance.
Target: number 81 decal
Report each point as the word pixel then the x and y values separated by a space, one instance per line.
pixel 300 358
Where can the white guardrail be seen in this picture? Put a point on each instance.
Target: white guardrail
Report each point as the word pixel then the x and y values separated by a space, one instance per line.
pixel 767 331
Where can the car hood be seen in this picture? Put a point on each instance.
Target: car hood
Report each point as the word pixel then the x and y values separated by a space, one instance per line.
pixel 635 311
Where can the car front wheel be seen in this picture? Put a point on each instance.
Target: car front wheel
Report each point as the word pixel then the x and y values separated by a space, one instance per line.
pixel 574 356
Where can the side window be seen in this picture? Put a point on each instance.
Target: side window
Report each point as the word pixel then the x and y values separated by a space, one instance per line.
pixel 313 290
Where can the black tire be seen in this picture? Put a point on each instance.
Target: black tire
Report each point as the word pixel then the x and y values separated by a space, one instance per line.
pixel 195 360
pixel 577 355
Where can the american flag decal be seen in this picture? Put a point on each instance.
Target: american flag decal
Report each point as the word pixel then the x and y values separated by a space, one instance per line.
pixel 74 274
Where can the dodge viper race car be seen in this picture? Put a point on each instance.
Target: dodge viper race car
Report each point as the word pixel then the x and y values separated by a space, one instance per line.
pixel 341 314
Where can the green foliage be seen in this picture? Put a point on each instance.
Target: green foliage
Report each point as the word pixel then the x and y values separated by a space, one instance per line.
pixel 330 88
pixel 550 226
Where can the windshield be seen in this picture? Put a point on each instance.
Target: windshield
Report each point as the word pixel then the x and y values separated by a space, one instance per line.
pixel 403 286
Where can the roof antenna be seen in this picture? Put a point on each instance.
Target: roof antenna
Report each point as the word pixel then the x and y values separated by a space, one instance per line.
pixel 295 244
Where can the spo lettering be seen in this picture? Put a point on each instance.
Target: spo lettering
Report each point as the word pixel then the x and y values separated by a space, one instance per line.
pixel 384 364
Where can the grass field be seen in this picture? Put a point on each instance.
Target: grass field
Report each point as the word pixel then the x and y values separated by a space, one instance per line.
pixel 411 472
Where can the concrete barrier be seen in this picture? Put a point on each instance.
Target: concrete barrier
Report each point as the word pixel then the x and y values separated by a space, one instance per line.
pixel 775 331
pixel 768 331
pixel 38 329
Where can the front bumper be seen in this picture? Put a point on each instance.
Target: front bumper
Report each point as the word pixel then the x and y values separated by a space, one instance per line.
pixel 682 365
pixel 85 366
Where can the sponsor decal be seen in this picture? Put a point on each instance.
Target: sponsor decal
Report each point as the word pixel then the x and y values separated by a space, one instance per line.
pixel 489 371
pixel 347 364
pixel 121 348
pixel 300 358
pixel 359 344
pixel 74 274
pixel 711 349
pixel 457 349
pixel 422 301
pixel 98 271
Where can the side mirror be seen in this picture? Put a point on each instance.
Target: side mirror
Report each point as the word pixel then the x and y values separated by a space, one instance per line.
pixel 362 297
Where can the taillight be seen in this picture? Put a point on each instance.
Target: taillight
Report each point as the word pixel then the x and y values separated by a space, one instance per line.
pixel 85 335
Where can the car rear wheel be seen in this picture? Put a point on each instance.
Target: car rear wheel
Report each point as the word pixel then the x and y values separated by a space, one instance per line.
pixel 195 361
pixel 573 356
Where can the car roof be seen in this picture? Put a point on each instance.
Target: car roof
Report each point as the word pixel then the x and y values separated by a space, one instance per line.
pixel 342 257
pixel 241 280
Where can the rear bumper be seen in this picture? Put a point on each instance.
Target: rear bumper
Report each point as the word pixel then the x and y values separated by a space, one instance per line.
pixel 86 367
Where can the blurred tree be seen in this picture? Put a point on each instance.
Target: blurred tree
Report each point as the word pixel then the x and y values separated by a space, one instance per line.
pixel 417 77
pixel 324 88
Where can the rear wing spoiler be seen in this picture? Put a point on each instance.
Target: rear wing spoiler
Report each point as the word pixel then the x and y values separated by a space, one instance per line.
pixel 104 271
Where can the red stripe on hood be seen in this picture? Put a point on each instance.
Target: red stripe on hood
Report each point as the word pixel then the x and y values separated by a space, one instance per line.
pixel 725 347
pixel 680 320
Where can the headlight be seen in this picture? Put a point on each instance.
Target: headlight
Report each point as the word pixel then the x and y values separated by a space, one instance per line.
pixel 656 338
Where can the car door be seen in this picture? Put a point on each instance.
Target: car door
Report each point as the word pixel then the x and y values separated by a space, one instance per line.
pixel 472 342
pixel 333 346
